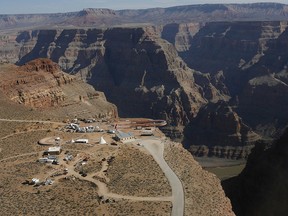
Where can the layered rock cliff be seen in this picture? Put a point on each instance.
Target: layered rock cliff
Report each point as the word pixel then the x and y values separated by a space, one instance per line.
pixel 138 71
pixel 226 134
pixel 235 62
pixel 153 16
pixel 40 84
pixel 250 59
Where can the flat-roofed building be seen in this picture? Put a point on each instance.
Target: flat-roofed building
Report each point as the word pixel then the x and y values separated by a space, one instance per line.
pixel 54 150
pixel 147 132
pixel 124 137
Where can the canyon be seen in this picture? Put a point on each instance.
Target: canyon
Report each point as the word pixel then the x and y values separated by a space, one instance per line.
pixel 180 73
pixel 39 100
pixel 216 73
pixel 261 189
pixel 41 85
pixel 103 18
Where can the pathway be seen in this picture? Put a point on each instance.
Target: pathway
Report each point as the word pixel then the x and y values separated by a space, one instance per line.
pixel 156 149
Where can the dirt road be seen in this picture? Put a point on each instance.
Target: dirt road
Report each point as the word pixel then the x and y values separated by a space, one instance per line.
pixel 156 149
pixel 31 121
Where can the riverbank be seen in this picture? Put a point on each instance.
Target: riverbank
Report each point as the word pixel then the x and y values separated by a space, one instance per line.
pixel 222 168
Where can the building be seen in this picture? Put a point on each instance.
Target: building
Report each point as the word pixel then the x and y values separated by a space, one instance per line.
pixel 147 132
pixel 54 150
pixel 82 141
pixel 124 137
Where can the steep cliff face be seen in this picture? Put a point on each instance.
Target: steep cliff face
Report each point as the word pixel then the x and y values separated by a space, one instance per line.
pixel 180 34
pixel 139 72
pixel 10 48
pixel 263 100
pixel 226 134
pixel 41 84
pixel 237 62
pixel 262 189
pixel 231 45
pixel 250 58
pixel 149 72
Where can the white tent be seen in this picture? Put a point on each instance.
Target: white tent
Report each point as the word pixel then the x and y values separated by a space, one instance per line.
pixel 102 140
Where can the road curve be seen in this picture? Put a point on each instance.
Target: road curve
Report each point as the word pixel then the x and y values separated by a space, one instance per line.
pixel 156 149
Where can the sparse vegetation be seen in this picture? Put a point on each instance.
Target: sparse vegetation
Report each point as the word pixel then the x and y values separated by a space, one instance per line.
pixel 135 173
pixel 92 166
pixel 21 144
pixel 72 195
pixel 124 207
pixel 203 193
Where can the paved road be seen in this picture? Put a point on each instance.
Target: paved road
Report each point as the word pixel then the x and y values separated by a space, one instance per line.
pixel 156 149
pixel 103 189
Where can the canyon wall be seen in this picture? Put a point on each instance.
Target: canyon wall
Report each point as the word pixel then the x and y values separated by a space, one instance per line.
pixel 261 188
pixel 40 84
pixel 103 18
pixel 250 59
pixel 138 71
pixel 199 77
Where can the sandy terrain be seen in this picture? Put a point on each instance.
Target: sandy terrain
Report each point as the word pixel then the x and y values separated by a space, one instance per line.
pixel 121 180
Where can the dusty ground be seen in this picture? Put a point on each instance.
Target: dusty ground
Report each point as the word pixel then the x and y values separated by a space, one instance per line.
pixel 133 178
pixel 121 180
pixel 130 165
pixel 203 193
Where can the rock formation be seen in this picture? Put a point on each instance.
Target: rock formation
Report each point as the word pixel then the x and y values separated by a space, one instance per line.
pixel 226 134
pixel 41 84
pixel 261 188
pixel 248 58
pixel 137 70
pixel 141 71
pixel 155 16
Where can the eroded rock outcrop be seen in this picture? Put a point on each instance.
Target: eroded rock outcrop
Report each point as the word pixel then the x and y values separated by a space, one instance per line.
pixel 249 60
pixel 41 84
pixel 226 134
pixel 237 62
pixel 138 71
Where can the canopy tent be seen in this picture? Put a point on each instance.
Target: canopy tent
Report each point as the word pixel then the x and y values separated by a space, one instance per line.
pixel 102 140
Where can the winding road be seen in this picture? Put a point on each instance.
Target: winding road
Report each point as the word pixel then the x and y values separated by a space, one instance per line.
pixel 156 148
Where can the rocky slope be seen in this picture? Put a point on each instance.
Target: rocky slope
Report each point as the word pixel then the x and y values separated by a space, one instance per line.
pixel 203 192
pixel 180 14
pixel 226 134
pixel 261 189
pixel 40 84
pixel 238 63
pixel 250 59
pixel 138 71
